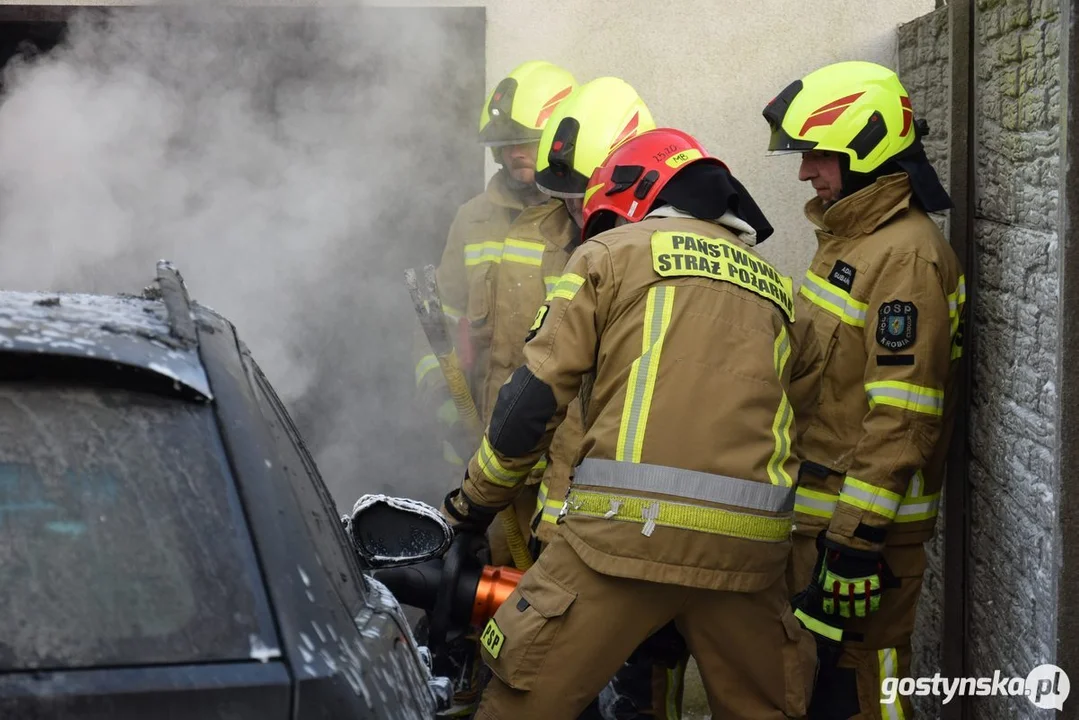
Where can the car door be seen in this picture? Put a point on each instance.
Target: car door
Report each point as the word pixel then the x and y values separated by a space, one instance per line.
pixel 373 652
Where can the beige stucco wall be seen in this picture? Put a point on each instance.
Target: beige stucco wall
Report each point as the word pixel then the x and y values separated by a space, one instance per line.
pixel 707 67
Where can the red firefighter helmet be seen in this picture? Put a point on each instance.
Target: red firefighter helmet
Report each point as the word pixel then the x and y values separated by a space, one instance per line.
pixel 630 180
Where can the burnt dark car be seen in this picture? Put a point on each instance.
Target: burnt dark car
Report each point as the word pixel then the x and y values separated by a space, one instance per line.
pixel 167 547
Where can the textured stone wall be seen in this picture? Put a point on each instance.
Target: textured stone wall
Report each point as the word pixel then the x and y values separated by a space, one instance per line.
pixel 925 69
pixel 1015 409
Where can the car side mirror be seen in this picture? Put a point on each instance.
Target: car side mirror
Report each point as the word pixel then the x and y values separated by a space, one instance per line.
pixel 390 532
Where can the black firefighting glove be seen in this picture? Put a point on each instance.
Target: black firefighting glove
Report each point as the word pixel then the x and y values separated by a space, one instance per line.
pixel 464 516
pixel 851 581
pixel 809 609
pixel 827 630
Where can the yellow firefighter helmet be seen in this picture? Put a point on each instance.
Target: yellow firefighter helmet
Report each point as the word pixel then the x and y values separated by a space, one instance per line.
pixel 519 107
pixel 858 109
pixel 596 118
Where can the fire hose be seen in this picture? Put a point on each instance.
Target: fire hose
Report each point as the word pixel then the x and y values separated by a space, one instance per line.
pixel 428 306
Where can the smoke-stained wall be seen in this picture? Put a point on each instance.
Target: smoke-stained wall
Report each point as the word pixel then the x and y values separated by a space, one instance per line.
pixel 291 162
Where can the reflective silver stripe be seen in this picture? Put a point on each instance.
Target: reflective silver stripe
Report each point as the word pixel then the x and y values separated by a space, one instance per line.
pixel 889 661
pixel 912 506
pixel 917 484
pixel 911 396
pixel 915 506
pixel 529 252
pixel 781 426
pixel 478 253
pixel 807 502
pixel 842 303
pixel 861 494
pixel 566 287
pixel 642 375
pixel 689 484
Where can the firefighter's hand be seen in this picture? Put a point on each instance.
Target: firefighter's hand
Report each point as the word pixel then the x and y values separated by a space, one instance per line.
pixel 851 581
pixel 465 517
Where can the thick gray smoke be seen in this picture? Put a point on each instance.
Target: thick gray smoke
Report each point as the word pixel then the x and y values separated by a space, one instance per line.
pixel 291 163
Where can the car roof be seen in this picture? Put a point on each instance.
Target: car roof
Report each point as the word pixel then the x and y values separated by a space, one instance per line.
pixel 153 332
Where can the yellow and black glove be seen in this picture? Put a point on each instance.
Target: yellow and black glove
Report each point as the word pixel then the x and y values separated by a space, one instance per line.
pixel 851 581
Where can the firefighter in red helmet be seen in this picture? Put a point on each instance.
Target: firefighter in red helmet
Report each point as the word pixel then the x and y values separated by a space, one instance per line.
pixel 682 496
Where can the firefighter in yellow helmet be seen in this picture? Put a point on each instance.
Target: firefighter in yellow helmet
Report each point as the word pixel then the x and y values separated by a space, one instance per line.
pixel 887 297
pixel 511 121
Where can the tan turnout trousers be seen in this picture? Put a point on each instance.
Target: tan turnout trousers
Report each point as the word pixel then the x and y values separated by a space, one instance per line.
pixel 567 628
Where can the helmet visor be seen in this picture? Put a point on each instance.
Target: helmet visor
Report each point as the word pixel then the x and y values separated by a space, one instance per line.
pixel 782 143
pixel 502 132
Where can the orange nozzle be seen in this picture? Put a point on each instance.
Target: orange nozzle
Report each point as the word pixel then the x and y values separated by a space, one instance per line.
pixel 496 584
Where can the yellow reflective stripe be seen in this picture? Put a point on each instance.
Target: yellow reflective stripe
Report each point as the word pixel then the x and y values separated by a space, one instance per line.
pixel 814 502
pixel 548 508
pixel 541 465
pixel 870 497
pixel 642 374
pixel 833 299
pixel 914 507
pixel 494 470
pixel 956 301
pixel 917 485
pixel 781 426
pixel 818 627
pixel 452 313
pixel 920 508
pixel 426 364
pixel 549 281
pixel 653 512
pixel 485 252
pixel 523 252
pixel 905 396
pixel 675 677
pixel 566 287
pixel 888 660
pixel 686 485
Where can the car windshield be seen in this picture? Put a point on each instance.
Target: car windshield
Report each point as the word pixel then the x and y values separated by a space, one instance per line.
pixel 121 537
